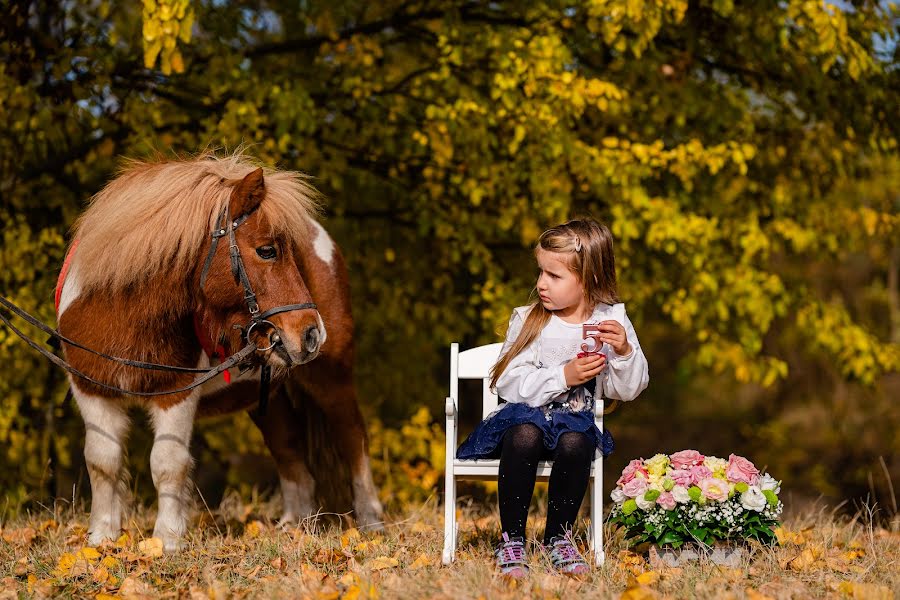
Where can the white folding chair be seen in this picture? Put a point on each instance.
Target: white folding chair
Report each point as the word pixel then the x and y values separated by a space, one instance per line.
pixel 476 363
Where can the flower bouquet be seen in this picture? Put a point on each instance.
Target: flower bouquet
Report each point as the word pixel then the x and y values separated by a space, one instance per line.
pixel 691 498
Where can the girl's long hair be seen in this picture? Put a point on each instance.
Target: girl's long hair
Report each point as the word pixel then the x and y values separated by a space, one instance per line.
pixel 589 246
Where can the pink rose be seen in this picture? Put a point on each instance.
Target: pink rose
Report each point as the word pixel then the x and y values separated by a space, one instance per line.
pixel 666 500
pixel 714 489
pixel 628 473
pixel 740 469
pixel 699 473
pixel 682 477
pixel 636 487
pixel 686 459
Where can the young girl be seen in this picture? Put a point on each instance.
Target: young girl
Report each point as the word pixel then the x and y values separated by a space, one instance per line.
pixel 549 390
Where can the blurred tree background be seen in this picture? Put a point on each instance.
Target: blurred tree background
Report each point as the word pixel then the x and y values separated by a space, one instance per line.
pixel 745 157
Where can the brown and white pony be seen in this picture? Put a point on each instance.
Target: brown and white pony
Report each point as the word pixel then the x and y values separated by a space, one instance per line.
pixel 132 288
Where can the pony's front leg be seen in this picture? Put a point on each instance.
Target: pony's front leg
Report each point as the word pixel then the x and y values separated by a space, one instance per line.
pixel 170 464
pixel 106 426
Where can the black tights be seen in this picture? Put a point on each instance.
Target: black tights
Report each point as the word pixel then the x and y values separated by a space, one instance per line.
pixel 523 447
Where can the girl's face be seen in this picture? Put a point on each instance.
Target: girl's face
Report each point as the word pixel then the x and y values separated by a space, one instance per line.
pixel 559 288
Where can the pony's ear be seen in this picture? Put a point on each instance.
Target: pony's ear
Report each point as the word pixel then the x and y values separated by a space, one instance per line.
pixel 247 194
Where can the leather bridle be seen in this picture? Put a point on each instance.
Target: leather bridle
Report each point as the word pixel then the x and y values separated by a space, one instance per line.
pixel 224 226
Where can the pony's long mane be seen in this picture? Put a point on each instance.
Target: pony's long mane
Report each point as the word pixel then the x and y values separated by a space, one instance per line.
pixel 156 216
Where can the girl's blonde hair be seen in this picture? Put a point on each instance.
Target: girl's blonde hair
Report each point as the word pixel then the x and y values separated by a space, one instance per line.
pixel 589 246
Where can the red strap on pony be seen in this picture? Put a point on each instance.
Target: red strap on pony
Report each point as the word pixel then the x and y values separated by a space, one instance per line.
pixel 211 349
pixel 62 274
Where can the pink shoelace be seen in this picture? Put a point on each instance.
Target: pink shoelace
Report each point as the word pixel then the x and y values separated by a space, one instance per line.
pixel 564 555
pixel 511 553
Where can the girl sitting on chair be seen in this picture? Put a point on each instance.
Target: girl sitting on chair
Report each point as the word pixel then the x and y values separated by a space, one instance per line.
pixel 549 385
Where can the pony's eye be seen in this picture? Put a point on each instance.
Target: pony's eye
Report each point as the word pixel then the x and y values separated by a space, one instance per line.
pixel 267 252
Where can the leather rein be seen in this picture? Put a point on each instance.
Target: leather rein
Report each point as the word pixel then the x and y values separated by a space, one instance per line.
pixel 224 227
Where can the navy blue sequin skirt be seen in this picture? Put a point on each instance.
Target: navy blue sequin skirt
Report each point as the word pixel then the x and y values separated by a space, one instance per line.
pixel 485 441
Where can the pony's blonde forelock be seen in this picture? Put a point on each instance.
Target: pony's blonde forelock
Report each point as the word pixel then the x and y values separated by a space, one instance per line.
pixel 156 216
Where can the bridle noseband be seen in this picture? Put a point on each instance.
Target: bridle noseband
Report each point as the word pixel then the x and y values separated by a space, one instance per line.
pixel 225 226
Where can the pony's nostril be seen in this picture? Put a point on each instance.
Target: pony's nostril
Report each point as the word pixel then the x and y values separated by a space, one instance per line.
pixel 311 339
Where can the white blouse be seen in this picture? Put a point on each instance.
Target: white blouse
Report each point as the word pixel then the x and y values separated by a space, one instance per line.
pixel 535 377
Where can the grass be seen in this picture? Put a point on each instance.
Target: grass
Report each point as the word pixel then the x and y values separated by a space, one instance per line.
pixel 237 551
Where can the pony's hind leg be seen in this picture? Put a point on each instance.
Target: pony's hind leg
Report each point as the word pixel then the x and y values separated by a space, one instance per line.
pixel 333 391
pixel 280 431
pixel 170 465
pixel 106 427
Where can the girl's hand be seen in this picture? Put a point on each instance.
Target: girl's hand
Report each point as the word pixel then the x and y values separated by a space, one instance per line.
pixel 582 370
pixel 613 334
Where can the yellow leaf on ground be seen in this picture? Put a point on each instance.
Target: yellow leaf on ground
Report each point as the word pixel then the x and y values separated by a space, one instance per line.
pixel 754 595
pixel 123 541
pixel 253 529
pixel 351 593
pixel 88 553
pixel 648 578
pixel 362 546
pixel 151 547
pixel 349 579
pixel 349 536
pixel 639 592
pixel 869 591
pixel 109 562
pixel 806 560
pixel 421 562
pixel 383 562
pixel 65 564
pixel 49 524
pixel 102 596
pixel 790 537
pixel 101 574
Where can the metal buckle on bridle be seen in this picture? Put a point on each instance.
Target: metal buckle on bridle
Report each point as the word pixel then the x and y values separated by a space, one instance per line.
pixel 259 322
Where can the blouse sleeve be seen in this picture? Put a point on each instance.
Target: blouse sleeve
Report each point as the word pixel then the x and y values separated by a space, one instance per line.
pixel 526 380
pixel 626 376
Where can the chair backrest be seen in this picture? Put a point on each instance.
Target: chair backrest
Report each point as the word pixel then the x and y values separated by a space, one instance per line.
pixel 474 363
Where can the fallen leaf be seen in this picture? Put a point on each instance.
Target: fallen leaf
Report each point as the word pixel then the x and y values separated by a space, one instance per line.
pixel 277 564
pixel 868 591
pixel 308 572
pixel 151 547
pixel 754 595
pixel 124 541
pixel 21 567
pixel 102 596
pixel 20 537
pixel 350 535
pixel 109 562
pixel 351 593
pixel 383 562
pixel 88 553
pixel 101 574
pixel 349 579
pixel 638 592
pixel 48 524
pixel 648 578
pixel 806 560
pixel 421 527
pixel 786 536
pixel 135 589
pixel 253 529
pixel 421 562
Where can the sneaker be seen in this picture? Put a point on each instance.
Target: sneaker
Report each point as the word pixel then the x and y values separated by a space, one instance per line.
pixel 565 556
pixel 511 557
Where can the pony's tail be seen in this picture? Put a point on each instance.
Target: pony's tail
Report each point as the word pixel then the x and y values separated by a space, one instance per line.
pixel 333 492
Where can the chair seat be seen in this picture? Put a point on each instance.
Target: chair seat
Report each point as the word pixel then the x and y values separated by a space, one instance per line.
pixel 487 469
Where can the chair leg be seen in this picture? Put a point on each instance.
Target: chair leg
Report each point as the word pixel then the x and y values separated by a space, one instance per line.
pixel 449 518
pixel 597 512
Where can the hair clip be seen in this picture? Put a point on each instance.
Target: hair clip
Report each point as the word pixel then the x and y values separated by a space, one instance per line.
pixel 577 244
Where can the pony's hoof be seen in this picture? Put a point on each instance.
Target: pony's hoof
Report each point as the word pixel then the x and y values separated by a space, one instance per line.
pixel 97 538
pixel 370 520
pixel 172 545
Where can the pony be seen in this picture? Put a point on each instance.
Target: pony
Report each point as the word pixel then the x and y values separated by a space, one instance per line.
pixel 146 279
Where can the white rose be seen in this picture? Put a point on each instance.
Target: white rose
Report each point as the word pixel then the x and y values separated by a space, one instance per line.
pixel 767 482
pixel 618 496
pixel 680 493
pixel 753 499
pixel 644 504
